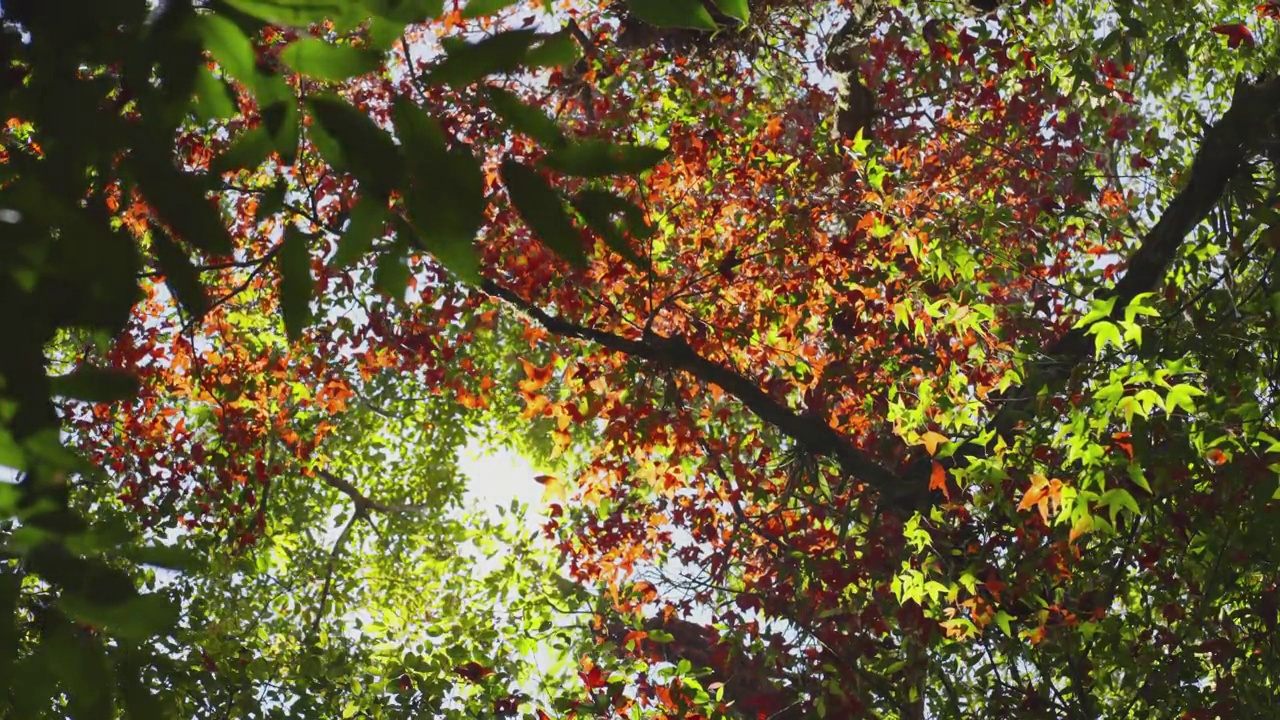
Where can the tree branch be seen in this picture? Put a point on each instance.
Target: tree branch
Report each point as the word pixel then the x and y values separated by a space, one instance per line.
pixel 329 569
pixel 1224 148
pixel 674 353
pixel 1219 158
pixel 364 504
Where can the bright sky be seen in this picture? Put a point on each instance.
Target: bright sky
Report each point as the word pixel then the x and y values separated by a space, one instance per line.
pixel 498 475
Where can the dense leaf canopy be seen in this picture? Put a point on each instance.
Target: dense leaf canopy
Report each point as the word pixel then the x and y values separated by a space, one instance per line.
pixel 881 358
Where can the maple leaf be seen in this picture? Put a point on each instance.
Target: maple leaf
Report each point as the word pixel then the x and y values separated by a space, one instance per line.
pixel 1237 34
pixel 591 675
pixel 553 488
pixel 938 480
pixel 536 377
pixel 472 671
pixel 932 440
pixel 774 128
pixel 664 695
pixel 1044 495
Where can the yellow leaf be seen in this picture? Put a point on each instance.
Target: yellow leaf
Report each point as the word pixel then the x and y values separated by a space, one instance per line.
pixel 1082 525
pixel 932 440
pixel 553 488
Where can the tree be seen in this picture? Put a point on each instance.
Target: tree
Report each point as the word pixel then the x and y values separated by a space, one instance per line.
pixel 902 360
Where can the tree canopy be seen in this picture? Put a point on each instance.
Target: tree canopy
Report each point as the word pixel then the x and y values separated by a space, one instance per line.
pixel 879 358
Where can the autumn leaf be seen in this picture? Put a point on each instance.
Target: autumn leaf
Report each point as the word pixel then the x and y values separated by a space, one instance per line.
pixel 932 440
pixel 536 377
pixel 553 488
pixel 938 480
pixel 473 671
pixel 1044 494
pixel 1237 34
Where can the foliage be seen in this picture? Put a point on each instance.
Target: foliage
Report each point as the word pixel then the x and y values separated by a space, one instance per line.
pixel 884 359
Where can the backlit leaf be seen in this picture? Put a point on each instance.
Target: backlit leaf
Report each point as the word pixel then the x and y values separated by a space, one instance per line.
pixel 321 60
pixel 599 158
pixel 673 13
pixel 543 211
pixel 466 63
pixel 736 9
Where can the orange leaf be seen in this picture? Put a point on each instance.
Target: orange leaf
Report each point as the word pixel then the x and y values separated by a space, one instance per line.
pixel 1044 495
pixel 664 694
pixel 537 377
pixel 938 480
pixel 1034 495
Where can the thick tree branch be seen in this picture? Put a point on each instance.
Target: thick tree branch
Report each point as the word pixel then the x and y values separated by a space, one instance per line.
pixel 1223 150
pixel 1221 154
pixel 674 353
pixel 855 103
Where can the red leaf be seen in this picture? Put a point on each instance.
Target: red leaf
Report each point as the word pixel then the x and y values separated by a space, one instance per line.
pixel 472 671
pixel 593 677
pixel 1237 34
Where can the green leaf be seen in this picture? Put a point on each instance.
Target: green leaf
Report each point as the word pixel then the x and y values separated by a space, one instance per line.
pixel 368 221
pixel 556 50
pixel 407 12
pixel 228 45
pixel 543 211
pixel 1099 310
pixel 1002 621
pixel 1117 500
pixel 295 282
pixel 384 33
pixel 600 158
pixel 248 151
pixel 212 100
pixel 736 9
pixel 78 662
pixel 370 153
pixel 466 63
pixel 271 200
pixel 1105 332
pixel 598 208
pixel 524 119
pixel 180 275
pixel 1138 477
pixel 391 274
pixel 1181 396
pixel 171 557
pixel 673 13
pixel 11 456
pixel 179 199
pixel 136 618
pixel 318 59
pixel 445 197
pixel 99 385
pixel 301 13
pixel 481 8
